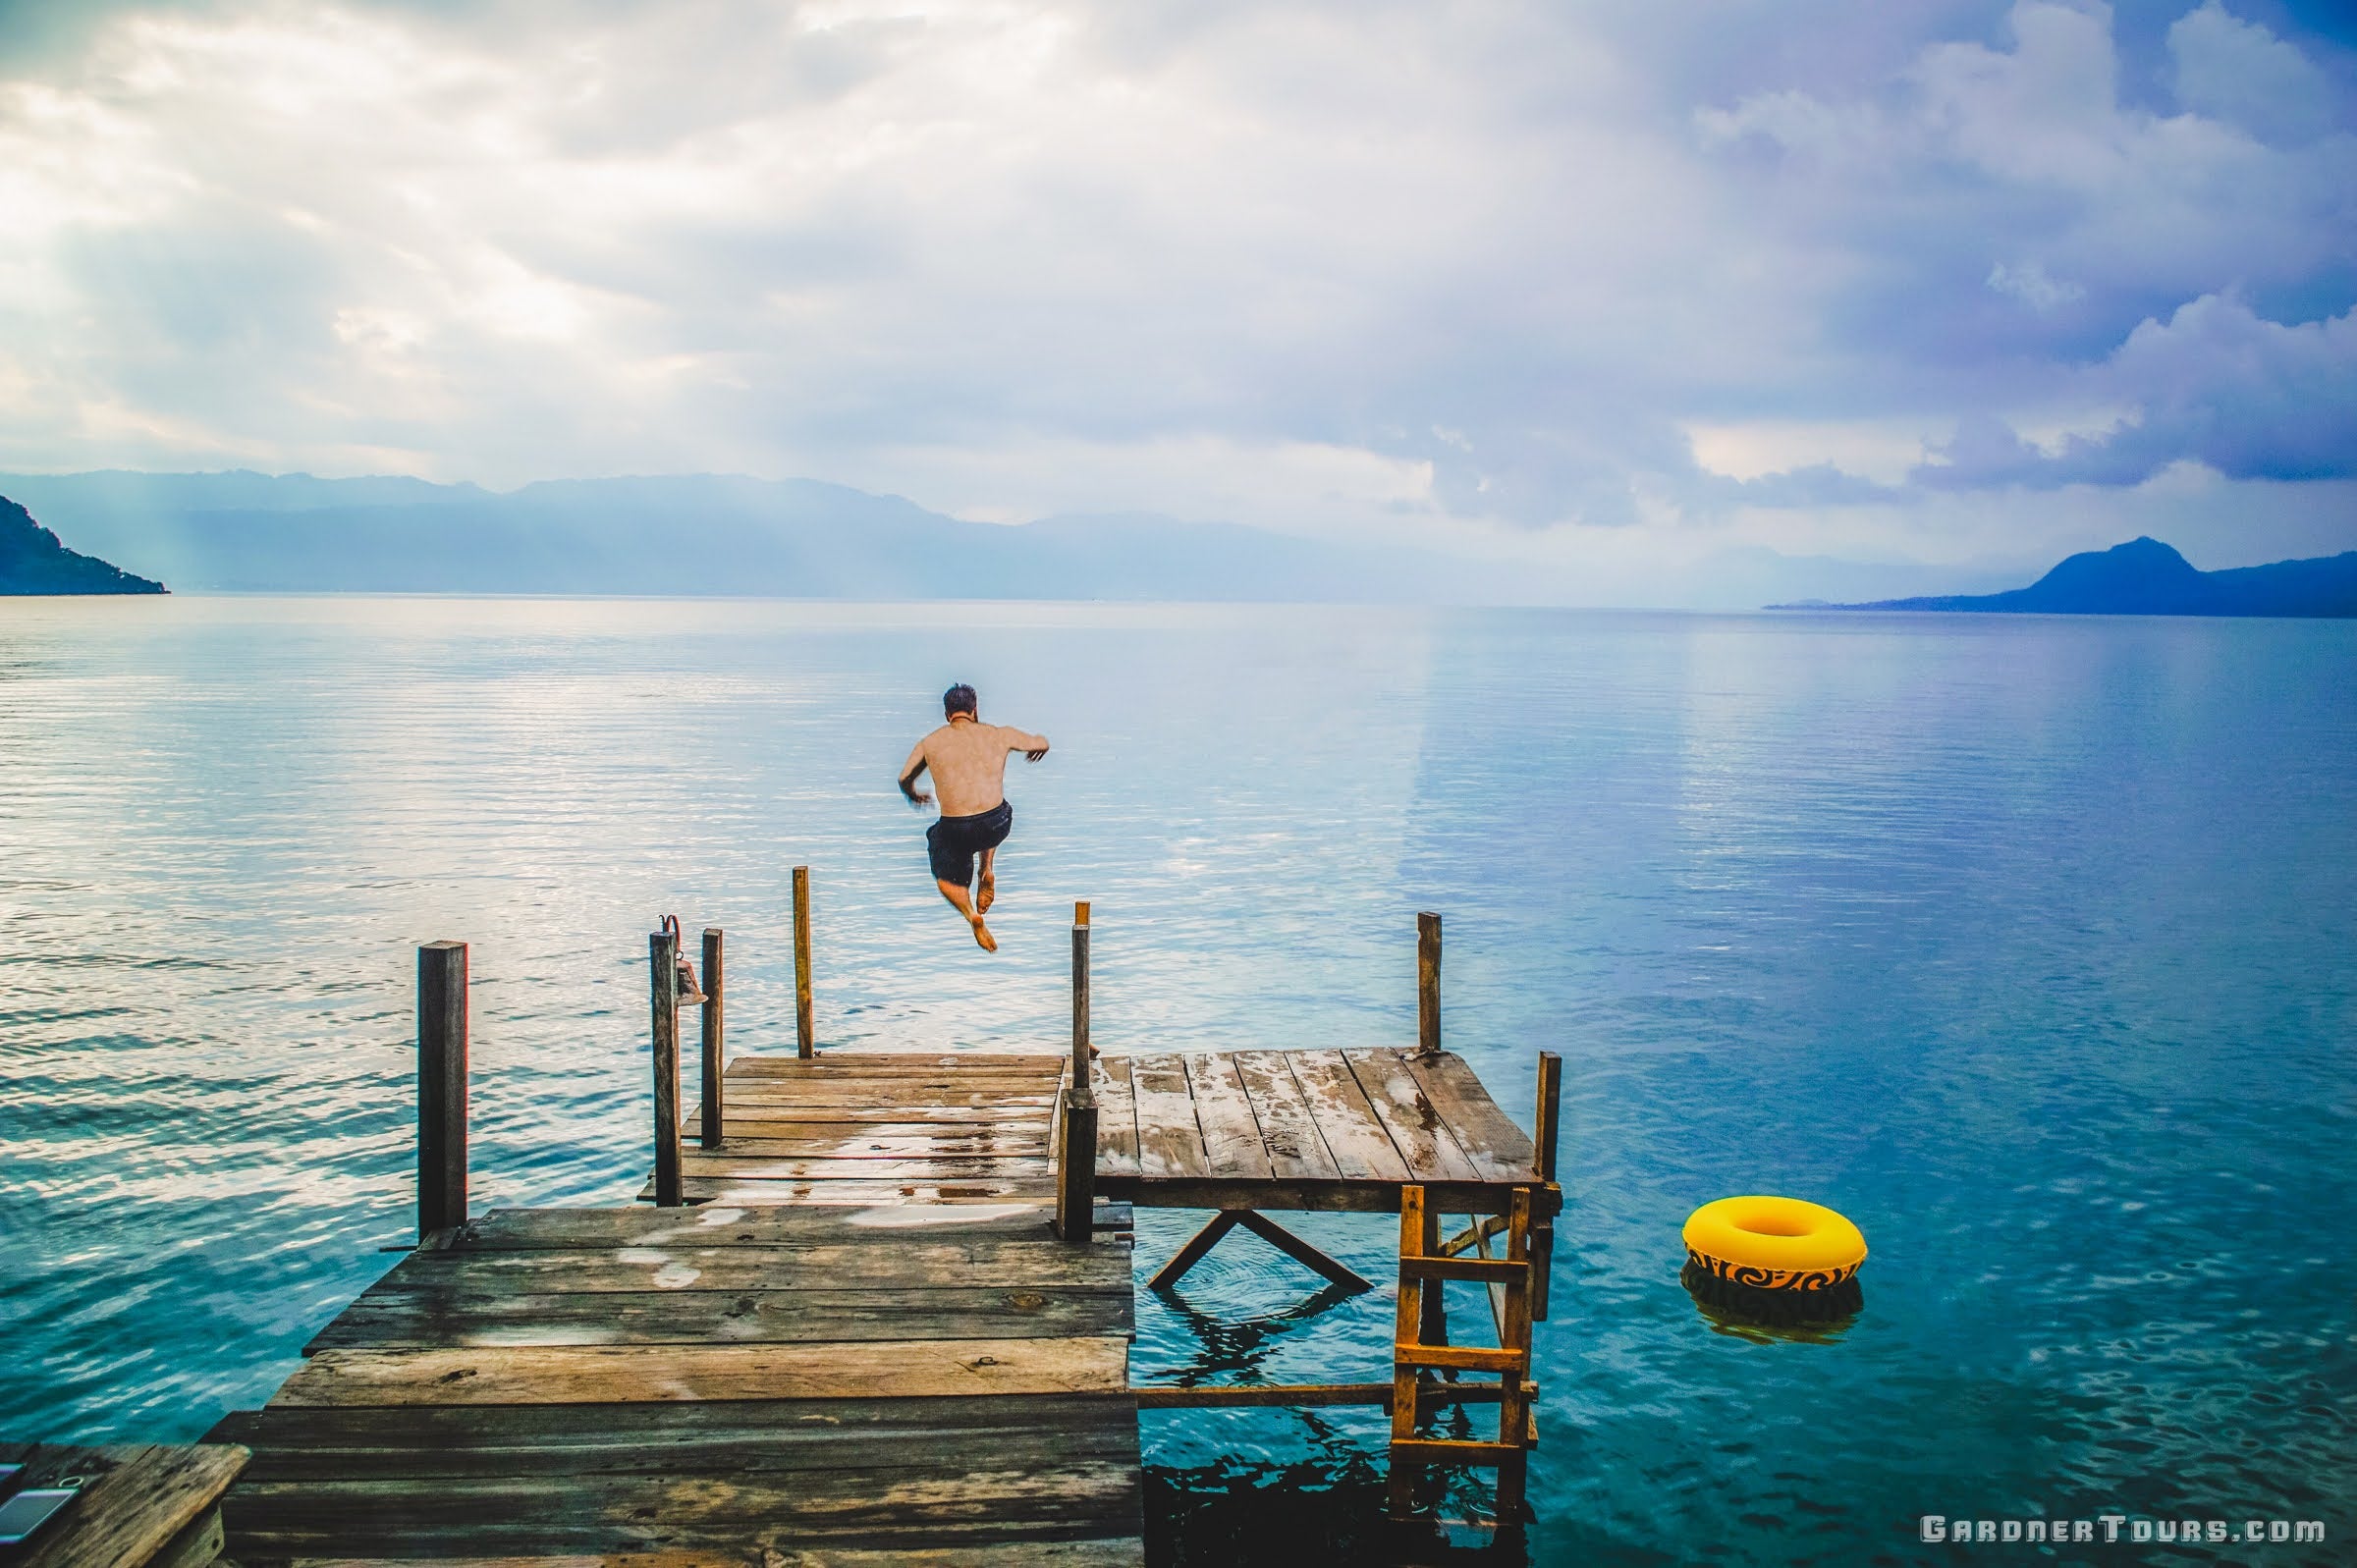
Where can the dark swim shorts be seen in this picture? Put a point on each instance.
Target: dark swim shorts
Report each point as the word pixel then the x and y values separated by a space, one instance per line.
pixel 954 842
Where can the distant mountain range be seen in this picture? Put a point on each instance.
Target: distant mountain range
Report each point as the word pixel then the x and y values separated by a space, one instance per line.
pixel 2146 578
pixel 799 538
pixel 707 534
pixel 693 534
pixel 32 560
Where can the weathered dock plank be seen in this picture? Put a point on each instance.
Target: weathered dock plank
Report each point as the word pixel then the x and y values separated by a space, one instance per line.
pixel 1116 1119
pixel 137 1503
pixel 605 1373
pixel 906 1381
pixel 1314 1130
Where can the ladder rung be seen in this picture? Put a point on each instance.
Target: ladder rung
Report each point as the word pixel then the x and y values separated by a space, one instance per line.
pixel 1432 1394
pixel 1453 1451
pixel 1497 1268
pixel 1463 1358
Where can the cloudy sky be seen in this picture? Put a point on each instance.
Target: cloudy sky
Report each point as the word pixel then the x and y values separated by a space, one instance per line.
pixel 1597 286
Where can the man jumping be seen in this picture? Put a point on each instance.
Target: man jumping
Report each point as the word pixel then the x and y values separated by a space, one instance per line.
pixel 968 759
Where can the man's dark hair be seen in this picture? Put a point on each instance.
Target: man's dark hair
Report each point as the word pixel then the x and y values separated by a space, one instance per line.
pixel 960 698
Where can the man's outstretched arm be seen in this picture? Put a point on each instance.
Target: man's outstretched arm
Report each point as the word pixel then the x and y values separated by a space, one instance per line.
pixel 909 773
pixel 1030 745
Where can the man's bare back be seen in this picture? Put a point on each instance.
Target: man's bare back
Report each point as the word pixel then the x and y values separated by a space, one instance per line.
pixel 968 763
pixel 967 759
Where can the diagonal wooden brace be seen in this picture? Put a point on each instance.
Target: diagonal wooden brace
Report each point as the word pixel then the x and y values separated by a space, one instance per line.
pixel 1267 1230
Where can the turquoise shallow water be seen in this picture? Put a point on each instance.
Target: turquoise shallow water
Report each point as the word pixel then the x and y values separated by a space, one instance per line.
pixel 2029 943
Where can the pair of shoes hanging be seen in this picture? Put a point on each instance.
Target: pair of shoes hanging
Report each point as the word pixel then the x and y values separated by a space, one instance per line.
pixel 689 992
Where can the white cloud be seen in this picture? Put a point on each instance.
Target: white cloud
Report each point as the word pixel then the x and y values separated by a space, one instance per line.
pixel 2029 284
pixel 2239 72
pixel 1334 267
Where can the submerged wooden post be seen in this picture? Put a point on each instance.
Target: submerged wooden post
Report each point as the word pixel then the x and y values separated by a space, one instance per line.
pixel 1076 1157
pixel 663 957
pixel 1547 1128
pixel 1428 984
pixel 806 1046
pixel 441 1086
pixel 714 1019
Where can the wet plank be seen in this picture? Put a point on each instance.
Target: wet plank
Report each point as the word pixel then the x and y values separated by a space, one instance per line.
pixel 743 1168
pixel 881 1260
pixel 1418 1131
pixel 860 1114
pixel 1362 1149
pixel 862 1194
pixel 911 1503
pixel 632 1374
pixel 991 1143
pixel 771 1436
pixel 1231 1143
pixel 1169 1143
pixel 855 1093
pixel 1287 1129
pixel 1497 1148
pixel 882 1062
pixel 721 1225
pixel 134 1500
pixel 1116 1119
pixel 462 1315
pixel 1026 1553
pixel 1315 1196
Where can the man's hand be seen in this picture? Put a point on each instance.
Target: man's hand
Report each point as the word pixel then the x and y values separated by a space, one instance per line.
pixel 1035 756
pixel 918 800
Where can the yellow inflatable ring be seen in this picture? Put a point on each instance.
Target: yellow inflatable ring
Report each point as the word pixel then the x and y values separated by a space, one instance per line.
pixel 1774 1244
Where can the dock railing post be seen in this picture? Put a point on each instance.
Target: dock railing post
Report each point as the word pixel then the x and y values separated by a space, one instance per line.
pixel 713 1020
pixel 1548 1129
pixel 663 957
pixel 1077 1159
pixel 441 1087
pixel 805 1044
pixel 1080 1041
pixel 1428 984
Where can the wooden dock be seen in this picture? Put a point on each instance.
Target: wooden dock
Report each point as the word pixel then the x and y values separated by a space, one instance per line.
pixel 919 1384
pixel 141 1505
pixel 873 1315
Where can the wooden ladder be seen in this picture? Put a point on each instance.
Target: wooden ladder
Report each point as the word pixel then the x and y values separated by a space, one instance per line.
pixel 1421 1346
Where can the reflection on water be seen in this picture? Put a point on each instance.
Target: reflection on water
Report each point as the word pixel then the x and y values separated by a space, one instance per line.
pixel 2030 944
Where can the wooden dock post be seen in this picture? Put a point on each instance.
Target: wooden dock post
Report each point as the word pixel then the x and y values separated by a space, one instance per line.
pixel 1428 984
pixel 663 956
pixel 804 1041
pixel 1546 1130
pixel 1077 1159
pixel 441 1087
pixel 1080 1041
pixel 713 1020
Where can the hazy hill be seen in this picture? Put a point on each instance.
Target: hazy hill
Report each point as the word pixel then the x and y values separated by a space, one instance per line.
pixel 697 534
pixel 33 561
pixel 2146 578
pixel 800 538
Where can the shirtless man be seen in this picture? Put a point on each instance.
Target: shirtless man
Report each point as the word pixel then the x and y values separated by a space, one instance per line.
pixel 968 759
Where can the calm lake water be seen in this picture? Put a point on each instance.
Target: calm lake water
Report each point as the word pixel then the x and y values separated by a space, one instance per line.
pixel 2030 944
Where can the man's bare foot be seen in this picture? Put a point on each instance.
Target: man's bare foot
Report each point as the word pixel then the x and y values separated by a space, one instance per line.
pixel 986 892
pixel 982 936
